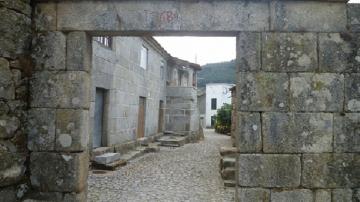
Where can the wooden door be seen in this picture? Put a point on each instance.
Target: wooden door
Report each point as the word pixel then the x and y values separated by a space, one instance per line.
pixel 161 117
pixel 141 118
pixel 98 118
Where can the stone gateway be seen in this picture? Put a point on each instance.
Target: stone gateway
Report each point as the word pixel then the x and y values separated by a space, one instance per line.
pixel 298 82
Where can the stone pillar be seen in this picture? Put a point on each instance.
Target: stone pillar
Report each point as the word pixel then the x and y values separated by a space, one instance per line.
pixel 59 114
pixel 299 106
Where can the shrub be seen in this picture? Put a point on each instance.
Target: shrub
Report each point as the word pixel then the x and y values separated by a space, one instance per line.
pixel 223 119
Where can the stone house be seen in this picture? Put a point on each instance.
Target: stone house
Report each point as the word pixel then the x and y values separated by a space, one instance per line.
pixel 136 91
pixel 217 94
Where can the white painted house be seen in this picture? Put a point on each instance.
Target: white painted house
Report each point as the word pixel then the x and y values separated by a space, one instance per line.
pixel 216 95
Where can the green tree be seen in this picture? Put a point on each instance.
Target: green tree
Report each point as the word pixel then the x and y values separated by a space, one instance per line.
pixel 223 119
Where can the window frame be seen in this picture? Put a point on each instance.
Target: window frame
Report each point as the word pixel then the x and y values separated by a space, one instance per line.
pixel 144 52
pixel 213 104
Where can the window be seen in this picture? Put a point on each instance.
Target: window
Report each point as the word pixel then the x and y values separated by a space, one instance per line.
pixel 105 41
pixel 213 103
pixel 144 57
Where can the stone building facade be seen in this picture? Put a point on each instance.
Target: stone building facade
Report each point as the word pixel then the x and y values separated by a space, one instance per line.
pixel 123 82
pixel 298 63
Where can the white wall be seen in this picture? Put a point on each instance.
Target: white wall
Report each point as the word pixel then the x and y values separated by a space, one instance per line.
pixel 222 93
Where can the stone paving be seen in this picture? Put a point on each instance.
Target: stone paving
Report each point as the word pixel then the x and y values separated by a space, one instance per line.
pixel 188 173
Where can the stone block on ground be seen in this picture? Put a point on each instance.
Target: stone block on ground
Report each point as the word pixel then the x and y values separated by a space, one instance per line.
pixel 56 172
pixel 339 52
pixel 109 166
pixel 248 138
pixel 316 92
pixel 292 195
pixel 352 91
pixel 297 132
pixel 347 132
pixel 269 170
pixel 289 52
pixel 253 195
pixel 107 158
pixel 328 170
pixel 263 91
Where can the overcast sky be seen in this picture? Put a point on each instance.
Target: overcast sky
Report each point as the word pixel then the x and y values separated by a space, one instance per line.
pixel 203 50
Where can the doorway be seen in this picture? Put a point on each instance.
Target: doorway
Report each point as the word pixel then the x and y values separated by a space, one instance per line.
pixel 161 117
pixel 98 133
pixel 141 117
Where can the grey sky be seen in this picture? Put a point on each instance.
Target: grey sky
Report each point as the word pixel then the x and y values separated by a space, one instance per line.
pixel 203 49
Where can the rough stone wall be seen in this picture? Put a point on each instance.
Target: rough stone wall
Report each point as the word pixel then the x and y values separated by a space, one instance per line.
pixel 234 113
pixel 118 71
pixel 299 107
pixel 15 70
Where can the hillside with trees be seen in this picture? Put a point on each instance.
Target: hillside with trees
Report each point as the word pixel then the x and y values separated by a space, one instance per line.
pixel 223 72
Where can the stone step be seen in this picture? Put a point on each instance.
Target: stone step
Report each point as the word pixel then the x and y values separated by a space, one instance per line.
pixel 172 141
pixel 107 158
pixel 227 162
pixel 133 154
pixel 152 147
pixel 172 133
pixel 228 173
pixel 110 166
pixel 228 151
pixel 229 183
pixel 100 150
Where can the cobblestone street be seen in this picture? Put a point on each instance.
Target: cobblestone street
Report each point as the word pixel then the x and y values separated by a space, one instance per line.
pixel 188 173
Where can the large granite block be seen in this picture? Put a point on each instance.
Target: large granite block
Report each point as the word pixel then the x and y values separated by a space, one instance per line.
pixel 7 87
pixel 60 89
pixel 269 170
pixel 12 168
pixel 331 170
pixel 45 16
pixel 41 129
pixel 322 195
pixel 316 92
pixel 249 51
pixel 72 130
pixel 249 132
pixel 347 132
pixel 292 195
pixel 289 52
pixel 253 195
pixel 49 51
pixel 342 195
pixel 263 91
pixel 15 37
pixel 297 132
pixel 304 16
pixel 352 92
pixel 56 172
pixel 339 52
pixel 79 51
pixel 354 17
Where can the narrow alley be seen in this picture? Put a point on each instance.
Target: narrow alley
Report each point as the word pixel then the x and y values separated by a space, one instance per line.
pixel 188 173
